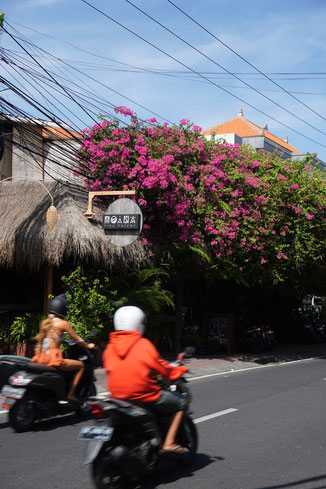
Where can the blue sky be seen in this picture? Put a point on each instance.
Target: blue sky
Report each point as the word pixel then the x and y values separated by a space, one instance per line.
pixel 275 37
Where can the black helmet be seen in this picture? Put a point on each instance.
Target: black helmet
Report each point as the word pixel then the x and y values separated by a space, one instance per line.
pixel 59 305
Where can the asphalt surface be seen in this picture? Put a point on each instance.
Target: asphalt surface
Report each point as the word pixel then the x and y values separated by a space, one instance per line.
pixel 220 363
pixel 260 420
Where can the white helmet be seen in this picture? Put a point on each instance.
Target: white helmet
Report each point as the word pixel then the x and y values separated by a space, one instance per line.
pixel 129 318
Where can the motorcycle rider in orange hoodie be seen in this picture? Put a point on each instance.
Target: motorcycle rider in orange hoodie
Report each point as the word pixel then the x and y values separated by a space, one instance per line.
pixel 130 359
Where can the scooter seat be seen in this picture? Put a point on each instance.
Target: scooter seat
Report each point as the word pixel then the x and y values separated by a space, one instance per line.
pixel 126 403
pixel 36 367
pixel 144 405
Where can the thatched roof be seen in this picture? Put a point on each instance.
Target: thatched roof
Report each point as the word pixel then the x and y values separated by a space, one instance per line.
pixel 25 239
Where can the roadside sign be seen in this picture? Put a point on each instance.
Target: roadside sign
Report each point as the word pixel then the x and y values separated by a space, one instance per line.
pixel 122 222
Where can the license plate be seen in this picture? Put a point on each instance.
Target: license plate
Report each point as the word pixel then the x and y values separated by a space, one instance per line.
pixel 16 393
pixel 95 433
pixel 8 402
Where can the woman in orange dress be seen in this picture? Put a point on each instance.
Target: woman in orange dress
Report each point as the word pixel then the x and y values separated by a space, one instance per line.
pixel 47 350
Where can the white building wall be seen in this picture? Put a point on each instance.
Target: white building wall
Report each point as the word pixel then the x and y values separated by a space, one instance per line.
pixel 59 158
pixel 231 138
pixel 27 154
pixel 27 159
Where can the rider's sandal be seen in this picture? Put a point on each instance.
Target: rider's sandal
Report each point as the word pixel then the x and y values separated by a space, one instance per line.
pixel 178 449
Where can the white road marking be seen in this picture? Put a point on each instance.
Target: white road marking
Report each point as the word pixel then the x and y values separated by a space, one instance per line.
pixel 214 415
pixel 4 411
pixel 234 371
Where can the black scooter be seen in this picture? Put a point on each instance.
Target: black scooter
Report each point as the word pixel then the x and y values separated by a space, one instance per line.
pixel 127 436
pixel 256 339
pixel 36 391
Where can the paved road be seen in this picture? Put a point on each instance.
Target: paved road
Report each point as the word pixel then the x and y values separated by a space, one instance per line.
pixel 259 429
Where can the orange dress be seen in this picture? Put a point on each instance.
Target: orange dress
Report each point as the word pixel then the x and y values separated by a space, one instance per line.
pixel 49 355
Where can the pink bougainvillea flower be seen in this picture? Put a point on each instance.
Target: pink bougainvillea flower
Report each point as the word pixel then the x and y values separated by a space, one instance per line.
pixel 231 202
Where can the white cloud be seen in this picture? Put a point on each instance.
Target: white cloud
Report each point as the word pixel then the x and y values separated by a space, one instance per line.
pixel 39 3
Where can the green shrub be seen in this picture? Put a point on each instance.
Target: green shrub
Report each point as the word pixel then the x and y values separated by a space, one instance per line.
pixel 24 328
pixel 92 302
pixel 191 339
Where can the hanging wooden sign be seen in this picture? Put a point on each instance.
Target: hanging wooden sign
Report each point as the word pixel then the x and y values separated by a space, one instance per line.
pixel 122 222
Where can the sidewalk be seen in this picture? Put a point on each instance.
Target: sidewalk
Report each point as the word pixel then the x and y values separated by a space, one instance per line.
pixel 283 353
pixel 219 363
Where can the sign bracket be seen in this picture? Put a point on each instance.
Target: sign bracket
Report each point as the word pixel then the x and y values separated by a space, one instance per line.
pixel 89 213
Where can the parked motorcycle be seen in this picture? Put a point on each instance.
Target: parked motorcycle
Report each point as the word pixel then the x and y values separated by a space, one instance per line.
pixel 37 391
pixel 305 332
pixel 125 441
pixel 319 329
pixel 256 339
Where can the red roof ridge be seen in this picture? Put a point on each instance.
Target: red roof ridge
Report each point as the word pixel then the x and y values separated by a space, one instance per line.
pixel 280 142
pixel 254 127
pixel 221 124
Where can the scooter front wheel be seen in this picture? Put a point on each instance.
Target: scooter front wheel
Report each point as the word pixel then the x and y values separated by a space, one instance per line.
pixel 188 438
pixel 84 408
pixel 22 415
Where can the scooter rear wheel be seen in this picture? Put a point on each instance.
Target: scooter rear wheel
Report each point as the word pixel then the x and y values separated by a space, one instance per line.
pixel 22 415
pixel 107 476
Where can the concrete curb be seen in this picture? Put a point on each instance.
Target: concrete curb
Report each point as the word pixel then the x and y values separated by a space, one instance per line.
pixel 203 367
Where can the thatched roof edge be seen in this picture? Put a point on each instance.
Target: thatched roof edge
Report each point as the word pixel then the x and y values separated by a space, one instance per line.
pixel 25 239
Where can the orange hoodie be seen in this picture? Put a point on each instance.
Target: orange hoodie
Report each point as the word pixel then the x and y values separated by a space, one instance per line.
pixel 129 360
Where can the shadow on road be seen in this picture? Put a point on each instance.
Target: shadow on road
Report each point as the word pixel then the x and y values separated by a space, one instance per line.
pixel 59 422
pixel 50 424
pixel 299 483
pixel 4 425
pixel 168 471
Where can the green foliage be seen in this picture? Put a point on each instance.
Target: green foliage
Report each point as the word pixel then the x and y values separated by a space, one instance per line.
pixel 191 339
pixel 144 289
pixel 24 328
pixel 94 297
pixel 92 301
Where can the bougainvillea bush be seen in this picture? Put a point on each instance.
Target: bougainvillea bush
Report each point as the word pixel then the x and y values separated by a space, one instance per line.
pixel 259 218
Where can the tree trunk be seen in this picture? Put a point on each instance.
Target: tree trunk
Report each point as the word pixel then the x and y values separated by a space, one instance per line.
pixel 178 318
pixel 48 286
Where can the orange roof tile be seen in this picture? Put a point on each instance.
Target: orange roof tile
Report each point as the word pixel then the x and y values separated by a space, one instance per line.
pixel 59 133
pixel 244 128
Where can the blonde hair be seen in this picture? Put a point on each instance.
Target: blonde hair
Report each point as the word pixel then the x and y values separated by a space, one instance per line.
pixel 45 327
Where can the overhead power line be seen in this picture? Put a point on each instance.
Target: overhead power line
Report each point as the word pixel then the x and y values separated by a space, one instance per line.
pixel 42 67
pixel 96 55
pixel 194 71
pixel 243 59
pixel 28 97
pixel 220 66
pixel 98 81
